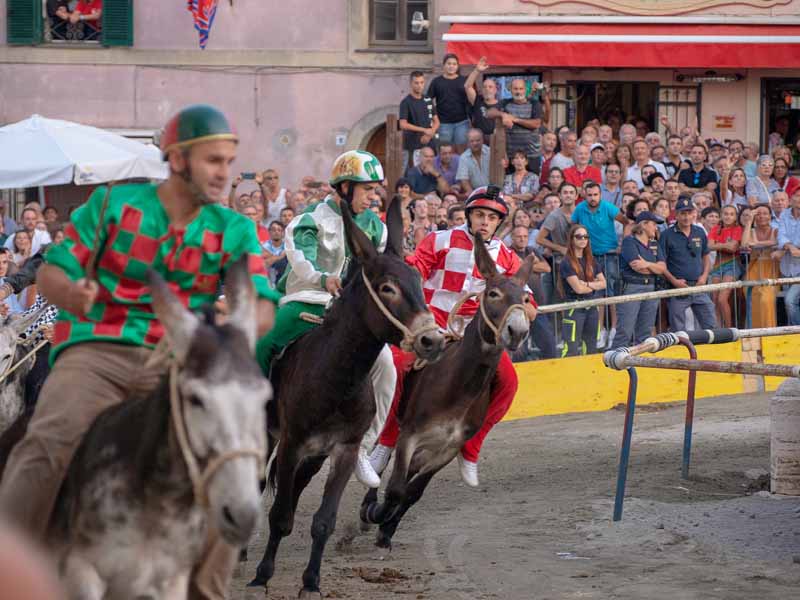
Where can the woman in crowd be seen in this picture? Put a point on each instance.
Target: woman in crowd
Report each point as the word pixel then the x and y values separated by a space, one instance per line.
pixel 555 178
pixel 22 247
pixel 732 186
pixel 521 184
pixel 641 261
pixel 624 158
pixel 403 189
pixel 761 240
pixel 781 173
pixel 580 278
pixel 761 187
pixel 725 239
pixel 521 218
pixel 661 209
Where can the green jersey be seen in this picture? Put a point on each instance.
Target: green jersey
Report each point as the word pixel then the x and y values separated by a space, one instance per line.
pixel 136 235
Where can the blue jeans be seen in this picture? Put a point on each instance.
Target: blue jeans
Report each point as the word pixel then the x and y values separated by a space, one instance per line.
pixel 454 133
pixel 610 264
pixel 702 307
pixel 792 301
pixel 635 320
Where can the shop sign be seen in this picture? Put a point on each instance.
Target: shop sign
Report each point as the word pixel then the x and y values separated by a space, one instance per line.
pixel 663 7
pixel 724 121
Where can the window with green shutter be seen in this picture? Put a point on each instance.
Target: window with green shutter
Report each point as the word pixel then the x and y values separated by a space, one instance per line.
pixel 117 23
pixel 24 21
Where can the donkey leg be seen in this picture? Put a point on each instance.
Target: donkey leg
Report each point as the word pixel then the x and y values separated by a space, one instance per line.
pixel 414 492
pixel 281 515
pixel 343 462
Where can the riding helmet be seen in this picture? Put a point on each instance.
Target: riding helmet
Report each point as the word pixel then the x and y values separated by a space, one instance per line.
pixel 490 197
pixel 194 124
pixel 356 165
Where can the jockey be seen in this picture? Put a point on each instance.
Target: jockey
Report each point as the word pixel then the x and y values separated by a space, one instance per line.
pixel 106 330
pixel 318 254
pixel 447 264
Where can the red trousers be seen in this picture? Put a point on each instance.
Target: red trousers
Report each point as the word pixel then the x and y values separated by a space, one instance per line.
pixel 504 388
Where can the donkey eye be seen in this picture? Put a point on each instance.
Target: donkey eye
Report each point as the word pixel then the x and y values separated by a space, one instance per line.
pixel 494 294
pixel 195 401
pixel 387 289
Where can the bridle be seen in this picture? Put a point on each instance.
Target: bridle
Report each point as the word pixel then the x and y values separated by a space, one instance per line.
pixel 497 330
pixel 408 336
pixel 200 478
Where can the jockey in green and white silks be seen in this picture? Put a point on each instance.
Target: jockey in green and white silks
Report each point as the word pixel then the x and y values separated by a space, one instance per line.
pixel 318 255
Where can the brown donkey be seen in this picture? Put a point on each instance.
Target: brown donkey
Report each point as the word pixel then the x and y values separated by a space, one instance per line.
pixel 324 402
pixel 443 405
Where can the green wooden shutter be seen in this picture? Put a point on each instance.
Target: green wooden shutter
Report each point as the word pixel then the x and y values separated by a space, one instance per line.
pixel 117 22
pixel 24 22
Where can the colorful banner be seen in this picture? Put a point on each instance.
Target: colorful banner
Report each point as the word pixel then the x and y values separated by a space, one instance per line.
pixel 203 12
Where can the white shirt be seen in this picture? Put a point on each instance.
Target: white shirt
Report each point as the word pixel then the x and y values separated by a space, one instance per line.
pixel 40 238
pixel 635 172
pixel 273 209
pixel 561 161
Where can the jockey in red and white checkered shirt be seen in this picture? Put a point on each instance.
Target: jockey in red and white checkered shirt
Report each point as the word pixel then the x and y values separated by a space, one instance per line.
pixel 446 261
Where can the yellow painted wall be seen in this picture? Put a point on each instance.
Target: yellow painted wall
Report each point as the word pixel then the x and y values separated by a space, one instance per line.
pixel 583 383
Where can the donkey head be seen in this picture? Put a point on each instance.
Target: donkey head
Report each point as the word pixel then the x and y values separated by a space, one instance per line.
pixel 397 286
pixel 223 396
pixel 499 298
pixel 10 331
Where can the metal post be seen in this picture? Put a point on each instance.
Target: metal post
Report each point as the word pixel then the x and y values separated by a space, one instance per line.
pixel 625 451
pixel 689 421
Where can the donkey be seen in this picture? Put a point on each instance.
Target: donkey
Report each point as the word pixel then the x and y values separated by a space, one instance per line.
pixel 443 405
pixel 154 474
pixel 12 388
pixel 324 402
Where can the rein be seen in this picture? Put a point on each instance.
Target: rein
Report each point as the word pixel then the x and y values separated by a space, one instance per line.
pixel 22 360
pixel 497 330
pixel 408 336
pixel 200 478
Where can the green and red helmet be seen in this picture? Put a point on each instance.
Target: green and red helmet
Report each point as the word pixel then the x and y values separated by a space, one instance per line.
pixel 194 124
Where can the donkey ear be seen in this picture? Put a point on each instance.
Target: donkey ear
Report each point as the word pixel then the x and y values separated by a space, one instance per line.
pixel 179 323
pixel 394 223
pixel 523 274
pixel 483 259
pixel 19 324
pixel 360 245
pixel 242 296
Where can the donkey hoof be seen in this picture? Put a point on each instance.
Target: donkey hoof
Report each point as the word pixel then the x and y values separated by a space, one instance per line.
pixel 383 541
pixel 309 594
pixel 258 582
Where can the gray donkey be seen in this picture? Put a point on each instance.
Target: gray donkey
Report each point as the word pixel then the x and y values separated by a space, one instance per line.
pixel 133 513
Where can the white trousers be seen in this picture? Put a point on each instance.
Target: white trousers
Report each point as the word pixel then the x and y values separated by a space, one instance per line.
pixel 384 379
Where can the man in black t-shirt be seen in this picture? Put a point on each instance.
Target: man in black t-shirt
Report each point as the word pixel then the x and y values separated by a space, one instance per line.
pixel 447 91
pixel 418 119
pixel 481 103
pixel 699 177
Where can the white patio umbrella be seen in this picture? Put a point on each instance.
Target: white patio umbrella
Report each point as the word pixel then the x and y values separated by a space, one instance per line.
pixel 40 151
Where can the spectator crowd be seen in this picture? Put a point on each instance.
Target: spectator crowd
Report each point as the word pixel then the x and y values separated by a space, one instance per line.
pixel 612 209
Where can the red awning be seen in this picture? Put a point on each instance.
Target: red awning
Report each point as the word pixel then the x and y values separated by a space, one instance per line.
pixel 627 45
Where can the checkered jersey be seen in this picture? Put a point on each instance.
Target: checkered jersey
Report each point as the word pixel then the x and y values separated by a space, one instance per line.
pixel 136 235
pixel 447 263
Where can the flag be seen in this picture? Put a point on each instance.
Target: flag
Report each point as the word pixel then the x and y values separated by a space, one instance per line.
pixel 203 12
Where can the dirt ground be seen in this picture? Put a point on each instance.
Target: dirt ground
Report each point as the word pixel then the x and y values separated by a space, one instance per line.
pixel 540 527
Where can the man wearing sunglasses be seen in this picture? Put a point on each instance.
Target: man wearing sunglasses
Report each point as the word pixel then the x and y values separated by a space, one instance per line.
pixel 699 177
pixel 685 248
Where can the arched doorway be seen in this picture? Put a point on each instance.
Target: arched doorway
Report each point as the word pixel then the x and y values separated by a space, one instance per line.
pixel 377 143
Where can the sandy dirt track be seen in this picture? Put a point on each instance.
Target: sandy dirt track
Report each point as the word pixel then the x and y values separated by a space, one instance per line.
pixel 540 525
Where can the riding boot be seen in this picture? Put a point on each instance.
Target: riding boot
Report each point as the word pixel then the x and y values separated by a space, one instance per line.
pixel 212 574
pixel 504 387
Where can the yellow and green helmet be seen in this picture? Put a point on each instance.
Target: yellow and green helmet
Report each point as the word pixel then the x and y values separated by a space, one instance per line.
pixel 194 124
pixel 356 165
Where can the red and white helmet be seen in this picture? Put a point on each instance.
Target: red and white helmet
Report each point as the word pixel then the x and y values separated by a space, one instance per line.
pixel 490 197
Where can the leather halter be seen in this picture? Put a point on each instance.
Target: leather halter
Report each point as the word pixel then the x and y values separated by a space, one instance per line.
pixel 497 330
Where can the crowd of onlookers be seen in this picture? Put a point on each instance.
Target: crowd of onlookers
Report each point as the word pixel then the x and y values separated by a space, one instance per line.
pixel 19 241
pixel 615 208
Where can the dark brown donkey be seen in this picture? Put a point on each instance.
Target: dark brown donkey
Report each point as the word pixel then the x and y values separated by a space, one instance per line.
pixel 324 401
pixel 444 404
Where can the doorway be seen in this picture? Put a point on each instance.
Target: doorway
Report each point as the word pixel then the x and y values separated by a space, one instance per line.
pixel 624 99
pixel 780 114
pixel 377 144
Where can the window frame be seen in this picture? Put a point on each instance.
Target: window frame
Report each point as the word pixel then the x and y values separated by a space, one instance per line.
pixel 401 43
